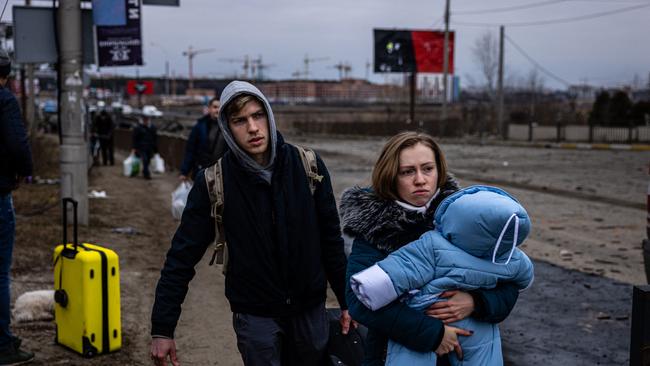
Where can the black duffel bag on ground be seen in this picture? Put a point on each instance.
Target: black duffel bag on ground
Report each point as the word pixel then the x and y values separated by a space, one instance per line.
pixel 345 350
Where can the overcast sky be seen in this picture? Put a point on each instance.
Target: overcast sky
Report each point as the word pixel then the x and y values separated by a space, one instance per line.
pixel 607 50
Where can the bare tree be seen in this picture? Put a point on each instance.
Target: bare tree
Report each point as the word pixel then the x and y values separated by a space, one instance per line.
pixel 534 81
pixel 486 53
pixel 637 83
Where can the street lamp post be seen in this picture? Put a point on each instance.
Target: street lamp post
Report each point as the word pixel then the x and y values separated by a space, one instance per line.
pixel 166 65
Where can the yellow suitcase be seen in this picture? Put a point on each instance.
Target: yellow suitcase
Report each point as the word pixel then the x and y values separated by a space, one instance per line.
pixel 87 295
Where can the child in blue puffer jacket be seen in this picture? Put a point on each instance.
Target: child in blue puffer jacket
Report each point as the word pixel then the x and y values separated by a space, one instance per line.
pixel 477 230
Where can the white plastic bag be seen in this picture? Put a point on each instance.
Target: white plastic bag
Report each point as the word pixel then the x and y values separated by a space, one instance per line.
pixel 179 198
pixel 131 166
pixel 157 164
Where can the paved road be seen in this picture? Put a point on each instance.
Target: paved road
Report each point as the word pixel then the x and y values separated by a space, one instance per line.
pixel 588 215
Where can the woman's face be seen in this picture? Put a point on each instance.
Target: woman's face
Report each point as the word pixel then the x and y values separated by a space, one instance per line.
pixel 417 175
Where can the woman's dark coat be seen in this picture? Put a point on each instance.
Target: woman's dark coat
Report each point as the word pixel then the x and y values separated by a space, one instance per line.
pixel 379 227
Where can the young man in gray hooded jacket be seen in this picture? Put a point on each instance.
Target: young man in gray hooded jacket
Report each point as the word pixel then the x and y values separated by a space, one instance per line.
pixel 284 243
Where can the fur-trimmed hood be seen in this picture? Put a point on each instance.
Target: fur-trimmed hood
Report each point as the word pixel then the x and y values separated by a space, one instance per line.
pixel 384 223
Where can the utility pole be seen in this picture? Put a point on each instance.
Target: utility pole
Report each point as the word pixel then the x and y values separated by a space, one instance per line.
pixel 139 87
pixel 445 63
pixel 413 86
pixel 167 78
pixel 30 112
pixel 74 153
pixel 166 65
pixel 173 83
pixel 501 122
pixel 191 53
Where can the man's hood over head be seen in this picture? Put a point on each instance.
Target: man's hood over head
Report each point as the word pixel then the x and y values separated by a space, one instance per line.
pixel 230 92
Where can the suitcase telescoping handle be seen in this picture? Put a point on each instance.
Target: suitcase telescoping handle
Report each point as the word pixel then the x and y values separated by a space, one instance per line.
pixel 67 200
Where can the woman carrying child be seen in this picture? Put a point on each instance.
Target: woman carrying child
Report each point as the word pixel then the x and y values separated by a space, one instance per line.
pixel 409 181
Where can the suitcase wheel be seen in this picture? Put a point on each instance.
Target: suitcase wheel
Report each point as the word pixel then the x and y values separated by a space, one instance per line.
pixel 61 297
pixel 88 349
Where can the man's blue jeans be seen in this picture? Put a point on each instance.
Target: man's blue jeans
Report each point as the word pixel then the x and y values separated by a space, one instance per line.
pixel 7 232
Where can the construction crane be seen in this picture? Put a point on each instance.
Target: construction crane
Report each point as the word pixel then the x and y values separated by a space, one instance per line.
pixel 344 69
pixel 246 63
pixel 191 53
pixel 259 67
pixel 308 60
pixel 368 64
pixel 255 65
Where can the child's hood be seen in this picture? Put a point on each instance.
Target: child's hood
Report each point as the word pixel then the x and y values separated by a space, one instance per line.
pixel 480 219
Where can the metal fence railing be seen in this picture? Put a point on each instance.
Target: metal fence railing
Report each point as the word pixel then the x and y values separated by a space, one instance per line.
pixel 575 133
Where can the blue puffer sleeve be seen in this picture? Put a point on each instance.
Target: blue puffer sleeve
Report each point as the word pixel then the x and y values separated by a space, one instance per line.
pixel 396 321
pixel 413 265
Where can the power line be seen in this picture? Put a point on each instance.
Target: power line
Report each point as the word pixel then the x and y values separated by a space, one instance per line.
pixel 438 21
pixel 540 4
pixel 537 65
pixel 3 9
pixel 508 8
pixel 556 21
pixel 612 1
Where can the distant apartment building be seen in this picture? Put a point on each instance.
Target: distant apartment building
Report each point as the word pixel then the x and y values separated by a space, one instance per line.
pixel 583 93
pixel 429 89
pixel 327 91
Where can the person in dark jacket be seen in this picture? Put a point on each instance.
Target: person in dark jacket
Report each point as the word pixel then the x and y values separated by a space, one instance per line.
pixel 145 143
pixel 15 164
pixel 103 128
pixel 205 145
pixel 409 181
pixel 284 244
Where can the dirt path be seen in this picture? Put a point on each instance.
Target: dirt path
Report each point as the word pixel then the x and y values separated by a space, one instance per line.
pixel 204 336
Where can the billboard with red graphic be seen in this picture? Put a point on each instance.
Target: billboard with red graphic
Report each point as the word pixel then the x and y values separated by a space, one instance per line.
pixel 134 87
pixel 411 51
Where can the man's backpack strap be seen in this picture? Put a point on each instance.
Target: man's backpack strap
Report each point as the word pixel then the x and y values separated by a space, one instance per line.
pixel 309 163
pixel 214 182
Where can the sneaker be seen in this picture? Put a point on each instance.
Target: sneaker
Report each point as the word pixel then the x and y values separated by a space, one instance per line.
pixel 14 356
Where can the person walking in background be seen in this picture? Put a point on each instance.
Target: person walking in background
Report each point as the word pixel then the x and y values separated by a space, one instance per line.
pixel 145 143
pixel 284 242
pixel 205 145
pixel 409 181
pixel 103 128
pixel 15 164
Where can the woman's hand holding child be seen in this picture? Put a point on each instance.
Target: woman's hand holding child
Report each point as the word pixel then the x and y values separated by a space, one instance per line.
pixel 458 306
